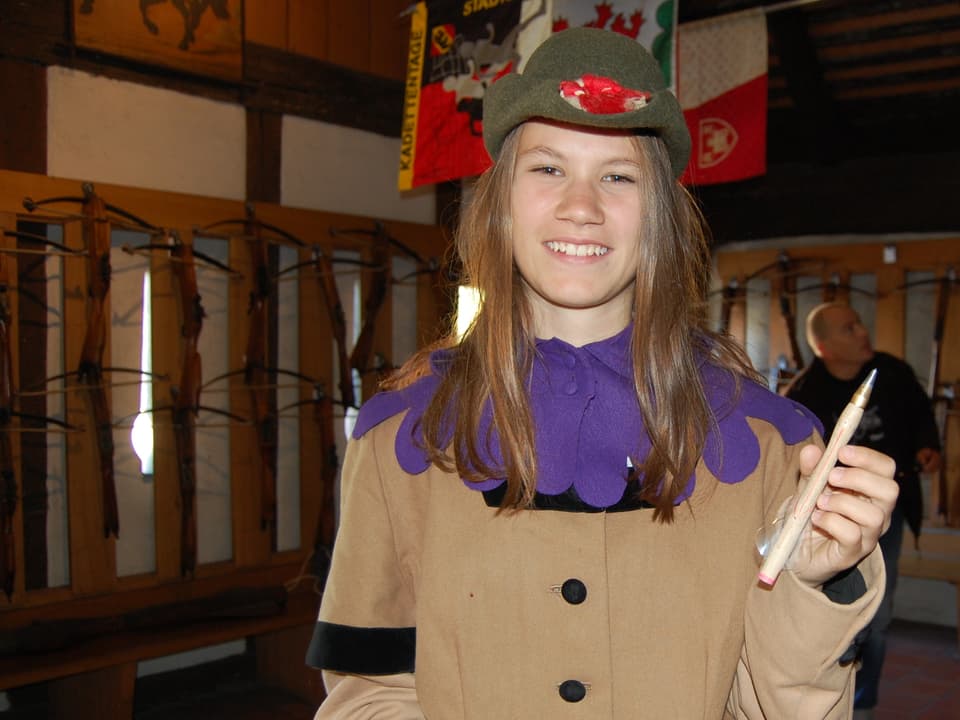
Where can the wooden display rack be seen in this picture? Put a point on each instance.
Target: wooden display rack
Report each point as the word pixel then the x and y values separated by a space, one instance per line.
pixel 85 640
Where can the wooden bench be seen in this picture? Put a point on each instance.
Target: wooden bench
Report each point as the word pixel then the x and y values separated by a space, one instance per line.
pixel 938 558
pixel 87 651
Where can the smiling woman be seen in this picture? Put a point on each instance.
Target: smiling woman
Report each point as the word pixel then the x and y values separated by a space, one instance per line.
pixel 571 489
pixel 577 224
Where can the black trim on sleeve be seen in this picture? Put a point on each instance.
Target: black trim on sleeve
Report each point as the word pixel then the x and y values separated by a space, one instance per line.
pixel 845 588
pixel 362 651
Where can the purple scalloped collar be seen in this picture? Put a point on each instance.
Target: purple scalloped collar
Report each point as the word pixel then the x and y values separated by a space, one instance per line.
pixel 588 423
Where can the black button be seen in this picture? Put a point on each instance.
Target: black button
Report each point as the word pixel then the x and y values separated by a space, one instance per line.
pixel 572 690
pixel 573 591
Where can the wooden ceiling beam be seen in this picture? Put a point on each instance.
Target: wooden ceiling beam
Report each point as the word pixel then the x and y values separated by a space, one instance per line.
pixel 805 85
pixel 887 194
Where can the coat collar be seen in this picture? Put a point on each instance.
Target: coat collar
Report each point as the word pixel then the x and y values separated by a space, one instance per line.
pixel 588 427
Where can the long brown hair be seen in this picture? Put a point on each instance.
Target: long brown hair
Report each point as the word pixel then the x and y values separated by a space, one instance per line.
pixel 492 362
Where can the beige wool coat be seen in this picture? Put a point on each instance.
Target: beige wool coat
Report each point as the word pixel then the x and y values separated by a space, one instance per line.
pixel 543 614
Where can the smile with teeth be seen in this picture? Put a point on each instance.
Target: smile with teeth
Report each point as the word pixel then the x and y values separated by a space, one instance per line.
pixel 575 249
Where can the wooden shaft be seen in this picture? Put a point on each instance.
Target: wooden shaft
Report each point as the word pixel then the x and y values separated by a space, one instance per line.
pixel 796 521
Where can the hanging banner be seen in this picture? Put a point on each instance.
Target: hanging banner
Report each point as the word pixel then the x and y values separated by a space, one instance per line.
pixel 457 49
pixel 723 93
pixel 652 23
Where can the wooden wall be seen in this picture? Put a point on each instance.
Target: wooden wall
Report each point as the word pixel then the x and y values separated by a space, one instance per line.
pixel 369 36
pixel 337 61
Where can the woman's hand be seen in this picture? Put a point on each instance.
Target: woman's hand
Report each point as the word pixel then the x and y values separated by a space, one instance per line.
pixel 852 512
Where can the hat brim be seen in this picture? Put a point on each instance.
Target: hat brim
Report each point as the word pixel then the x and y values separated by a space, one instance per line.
pixel 513 100
pixel 583 56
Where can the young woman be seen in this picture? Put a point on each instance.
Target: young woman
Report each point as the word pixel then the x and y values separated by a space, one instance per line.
pixel 556 515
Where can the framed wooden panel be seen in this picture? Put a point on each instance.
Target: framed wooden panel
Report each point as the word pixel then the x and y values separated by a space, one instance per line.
pixel 196 36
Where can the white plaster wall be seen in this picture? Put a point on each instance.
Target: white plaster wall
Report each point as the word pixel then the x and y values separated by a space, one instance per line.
pixel 118 132
pixel 921 309
pixel 58 546
pixel 804 302
pixel 925 601
pixel 288 423
pixel 404 322
pixel 338 169
pixel 136 545
pixel 757 340
pixel 214 510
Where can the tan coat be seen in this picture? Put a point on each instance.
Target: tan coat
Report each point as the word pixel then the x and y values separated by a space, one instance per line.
pixel 674 624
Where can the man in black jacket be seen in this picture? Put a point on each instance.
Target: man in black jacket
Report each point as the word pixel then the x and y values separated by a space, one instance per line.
pixel 898 421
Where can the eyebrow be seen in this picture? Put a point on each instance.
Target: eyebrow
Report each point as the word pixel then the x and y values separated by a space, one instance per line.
pixel 551 153
pixel 540 150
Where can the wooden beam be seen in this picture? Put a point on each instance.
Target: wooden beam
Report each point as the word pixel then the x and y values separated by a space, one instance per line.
pixel 264 146
pixel 322 91
pixel 37 34
pixel 912 193
pixel 23 131
pixel 812 100
pixel 106 694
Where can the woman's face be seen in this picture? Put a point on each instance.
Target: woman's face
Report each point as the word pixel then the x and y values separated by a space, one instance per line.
pixel 576 210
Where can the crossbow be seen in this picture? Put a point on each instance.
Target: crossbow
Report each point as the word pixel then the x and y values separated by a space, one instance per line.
pixel 185 395
pixel 381 243
pixel 257 370
pixel 940 397
pixel 8 476
pixel 9 409
pixel 96 218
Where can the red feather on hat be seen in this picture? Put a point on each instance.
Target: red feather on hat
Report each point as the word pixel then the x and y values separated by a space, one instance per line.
pixel 600 95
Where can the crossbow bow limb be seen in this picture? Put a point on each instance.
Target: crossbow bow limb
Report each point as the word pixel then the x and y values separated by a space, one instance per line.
pixel 34 245
pixel 941 397
pixel 97 217
pixel 785 270
pixel 9 489
pixel 362 358
pixel 8 475
pixel 257 370
pixel 185 395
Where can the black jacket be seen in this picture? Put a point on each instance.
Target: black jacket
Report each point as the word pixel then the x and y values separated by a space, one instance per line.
pixel 898 420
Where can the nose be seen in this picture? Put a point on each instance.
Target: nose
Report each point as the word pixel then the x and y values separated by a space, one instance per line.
pixel 580 203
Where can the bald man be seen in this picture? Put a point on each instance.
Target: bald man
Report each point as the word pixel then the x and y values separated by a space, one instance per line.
pixel 898 421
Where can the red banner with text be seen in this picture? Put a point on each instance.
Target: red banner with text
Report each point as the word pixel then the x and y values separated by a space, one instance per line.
pixel 457 49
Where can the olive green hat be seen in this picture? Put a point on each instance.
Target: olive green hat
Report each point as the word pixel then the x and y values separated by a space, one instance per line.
pixel 592 77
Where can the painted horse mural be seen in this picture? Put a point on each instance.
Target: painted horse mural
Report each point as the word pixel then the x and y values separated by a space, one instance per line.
pixel 191 10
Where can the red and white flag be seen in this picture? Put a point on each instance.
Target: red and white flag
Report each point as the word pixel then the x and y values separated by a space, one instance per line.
pixel 460 47
pixel 652 23
pixel 722 70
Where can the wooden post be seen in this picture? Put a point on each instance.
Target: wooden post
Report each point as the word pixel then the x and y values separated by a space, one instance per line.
pixel 103 694
pixel 280 663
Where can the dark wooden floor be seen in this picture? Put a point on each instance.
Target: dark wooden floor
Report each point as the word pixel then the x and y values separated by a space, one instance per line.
pixel 226 688
pixel 921 676
pixel 921 681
